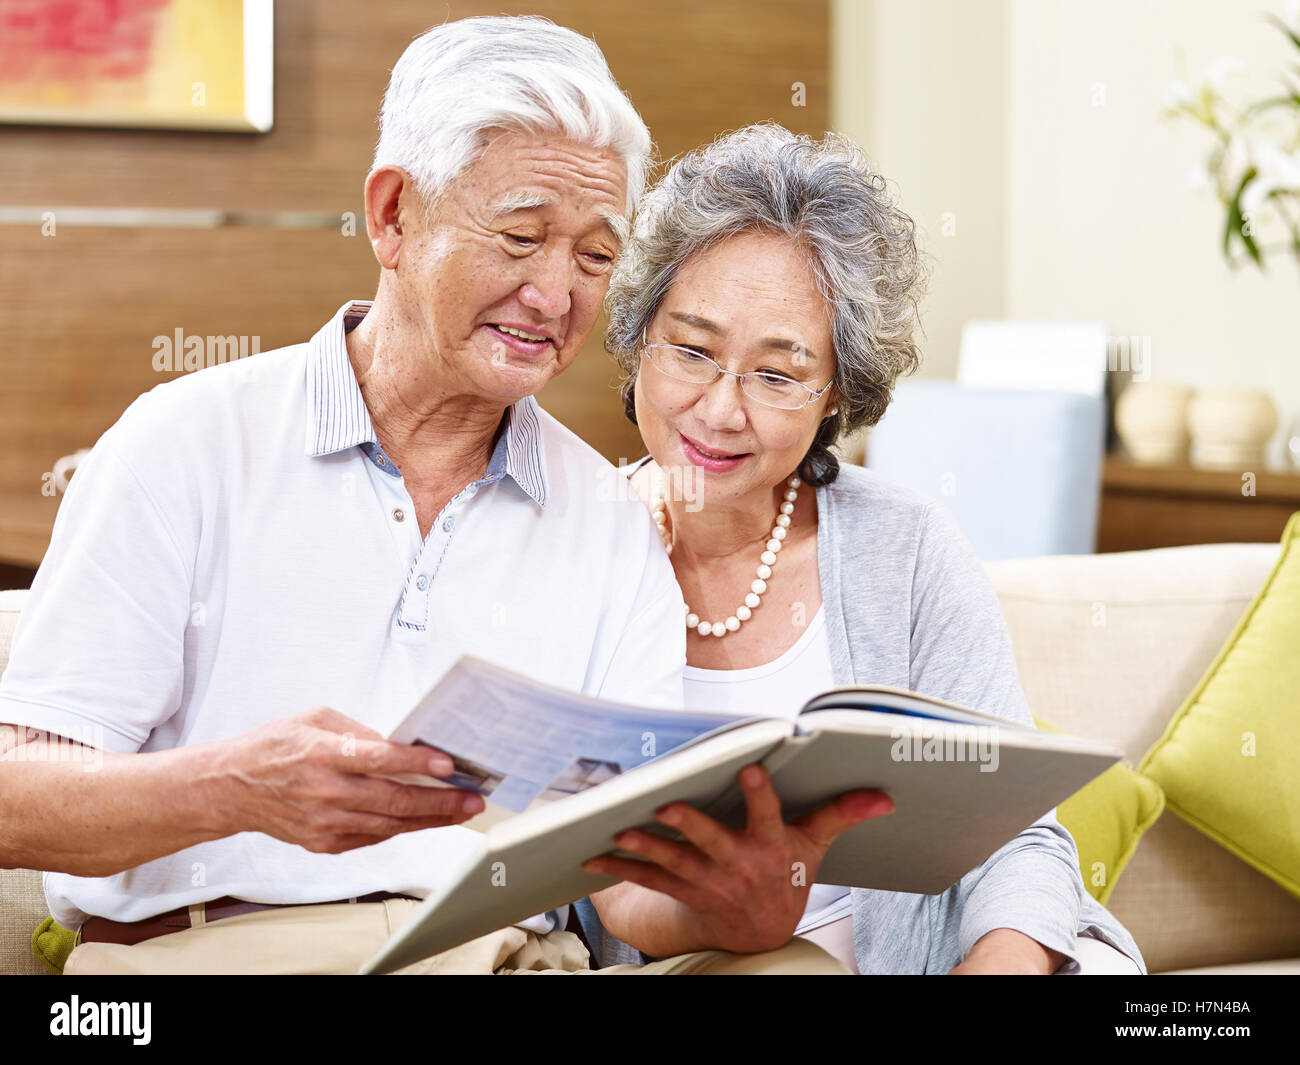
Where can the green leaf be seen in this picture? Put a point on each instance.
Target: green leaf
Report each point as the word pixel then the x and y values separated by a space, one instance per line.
pixel 1284 28
pixel 1236 223
pixel 1292 100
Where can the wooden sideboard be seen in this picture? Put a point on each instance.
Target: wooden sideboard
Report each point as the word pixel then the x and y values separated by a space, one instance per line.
pixel 1167 506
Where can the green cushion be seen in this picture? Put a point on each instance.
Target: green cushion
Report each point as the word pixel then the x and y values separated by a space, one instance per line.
pixel 1229 760
pixel 1107 817
pixel 52 943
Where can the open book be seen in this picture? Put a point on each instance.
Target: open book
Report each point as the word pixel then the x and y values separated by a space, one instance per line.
pixel 563 773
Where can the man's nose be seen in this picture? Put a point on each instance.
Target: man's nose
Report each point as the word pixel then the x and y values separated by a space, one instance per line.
pixel 549 290
pixel 722 405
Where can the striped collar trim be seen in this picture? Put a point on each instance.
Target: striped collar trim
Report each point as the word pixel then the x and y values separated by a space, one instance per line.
pixel 338 418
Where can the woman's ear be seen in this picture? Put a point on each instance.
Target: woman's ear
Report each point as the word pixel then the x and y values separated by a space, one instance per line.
pixel 832 402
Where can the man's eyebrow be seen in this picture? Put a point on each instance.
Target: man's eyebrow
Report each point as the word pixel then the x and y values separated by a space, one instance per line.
pixel 776 343
pixel 619 227
pixel 518 201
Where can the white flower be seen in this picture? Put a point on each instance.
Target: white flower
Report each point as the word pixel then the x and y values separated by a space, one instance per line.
pixel 1198 178
pixel 1281 168
pixel 1238 157
pixel 1219 69
pixel 1291 15
pixel 1277 171
pixel 1181 94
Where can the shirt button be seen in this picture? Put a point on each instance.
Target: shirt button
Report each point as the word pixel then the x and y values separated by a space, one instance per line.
pixel 381 460
pixel 422 583
pixel 446 525
pixel 399 514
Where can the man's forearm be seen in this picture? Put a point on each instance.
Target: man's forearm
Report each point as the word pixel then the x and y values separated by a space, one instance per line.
pixel 98 819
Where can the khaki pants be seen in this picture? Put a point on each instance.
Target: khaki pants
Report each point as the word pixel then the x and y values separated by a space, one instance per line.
pixel 341 937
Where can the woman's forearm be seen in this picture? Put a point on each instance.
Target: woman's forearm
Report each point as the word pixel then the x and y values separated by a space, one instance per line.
pixel 1006 950
pixel 653 923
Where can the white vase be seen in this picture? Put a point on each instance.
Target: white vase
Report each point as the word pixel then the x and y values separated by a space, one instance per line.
pixel 1151 419
pixel 1230 426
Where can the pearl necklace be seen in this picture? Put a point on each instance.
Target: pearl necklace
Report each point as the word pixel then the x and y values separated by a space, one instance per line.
pixel 766 560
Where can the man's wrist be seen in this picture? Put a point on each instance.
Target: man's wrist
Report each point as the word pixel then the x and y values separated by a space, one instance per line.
pixel 208 789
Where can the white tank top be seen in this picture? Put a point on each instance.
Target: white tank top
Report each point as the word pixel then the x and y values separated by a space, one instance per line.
pixel 777 689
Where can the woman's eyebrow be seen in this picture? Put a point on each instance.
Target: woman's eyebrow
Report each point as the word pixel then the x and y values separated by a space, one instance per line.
pixel 782 344
pixel 698 322
pixel 775 343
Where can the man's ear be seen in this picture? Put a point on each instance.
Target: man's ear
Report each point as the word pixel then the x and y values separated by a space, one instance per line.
pixel 390 192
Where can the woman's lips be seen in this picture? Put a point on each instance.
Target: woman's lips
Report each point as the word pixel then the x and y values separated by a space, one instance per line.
pixel 698 457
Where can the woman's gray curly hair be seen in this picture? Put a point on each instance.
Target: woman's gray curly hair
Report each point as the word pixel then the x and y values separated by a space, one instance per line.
pixel 822 194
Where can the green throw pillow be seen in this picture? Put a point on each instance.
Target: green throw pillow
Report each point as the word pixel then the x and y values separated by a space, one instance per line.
pixel 1229 760
pixel 52 943
pixel 1107 817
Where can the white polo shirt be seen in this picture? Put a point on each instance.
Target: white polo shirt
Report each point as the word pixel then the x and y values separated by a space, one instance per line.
pixel 238 548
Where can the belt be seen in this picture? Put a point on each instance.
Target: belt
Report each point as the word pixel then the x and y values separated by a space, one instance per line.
pixel 102 930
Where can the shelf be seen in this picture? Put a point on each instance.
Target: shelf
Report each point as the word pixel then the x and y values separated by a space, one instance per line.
pixel 1124 475
pixel 1166 506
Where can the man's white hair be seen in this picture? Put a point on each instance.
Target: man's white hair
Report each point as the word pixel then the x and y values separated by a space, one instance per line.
pixel 459 82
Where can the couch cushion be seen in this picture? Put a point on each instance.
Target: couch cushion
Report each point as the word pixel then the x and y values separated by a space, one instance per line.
pixel 1229 761
pixel 1108 646
pixel 22 908
pixel 1136 626
pixel 1107 817
pixel 1279 967
pixel 22 901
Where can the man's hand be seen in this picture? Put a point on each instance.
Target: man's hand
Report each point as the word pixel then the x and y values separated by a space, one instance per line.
pixel 739 890
pixel 316 780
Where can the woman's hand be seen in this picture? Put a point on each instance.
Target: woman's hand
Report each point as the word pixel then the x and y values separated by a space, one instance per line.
pixel 740 890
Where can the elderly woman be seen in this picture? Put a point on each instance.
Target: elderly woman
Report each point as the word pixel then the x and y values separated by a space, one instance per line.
pixel 765 308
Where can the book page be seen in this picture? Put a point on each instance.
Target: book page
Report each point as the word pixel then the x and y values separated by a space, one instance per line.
pixel 516 741
pixel 884 700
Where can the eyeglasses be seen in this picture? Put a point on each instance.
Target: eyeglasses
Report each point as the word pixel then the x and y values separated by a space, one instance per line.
pixel 763 386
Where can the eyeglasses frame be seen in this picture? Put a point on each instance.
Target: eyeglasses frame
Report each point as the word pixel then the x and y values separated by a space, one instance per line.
pixel 813 394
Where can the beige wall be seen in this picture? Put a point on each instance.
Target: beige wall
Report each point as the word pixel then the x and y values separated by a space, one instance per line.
pixel 1036 122
pixel 918 83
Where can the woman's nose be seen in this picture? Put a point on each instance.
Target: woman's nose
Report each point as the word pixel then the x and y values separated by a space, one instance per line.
pixel 721 406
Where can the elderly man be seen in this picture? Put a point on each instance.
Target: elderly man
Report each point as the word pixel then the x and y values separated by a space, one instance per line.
pixel 330 526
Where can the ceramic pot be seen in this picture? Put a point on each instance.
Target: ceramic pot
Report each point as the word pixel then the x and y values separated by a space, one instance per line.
pixel 1230 426
pixel 1151 419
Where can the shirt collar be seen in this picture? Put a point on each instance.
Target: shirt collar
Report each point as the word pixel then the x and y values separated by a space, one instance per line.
pixel 338 418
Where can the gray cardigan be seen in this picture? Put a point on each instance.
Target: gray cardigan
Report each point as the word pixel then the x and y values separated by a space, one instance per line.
pixel 907 604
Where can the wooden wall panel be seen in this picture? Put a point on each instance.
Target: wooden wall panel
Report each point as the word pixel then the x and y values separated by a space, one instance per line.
pixel 81 308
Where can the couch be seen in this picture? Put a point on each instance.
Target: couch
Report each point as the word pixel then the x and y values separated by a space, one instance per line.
pixel 1108 646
